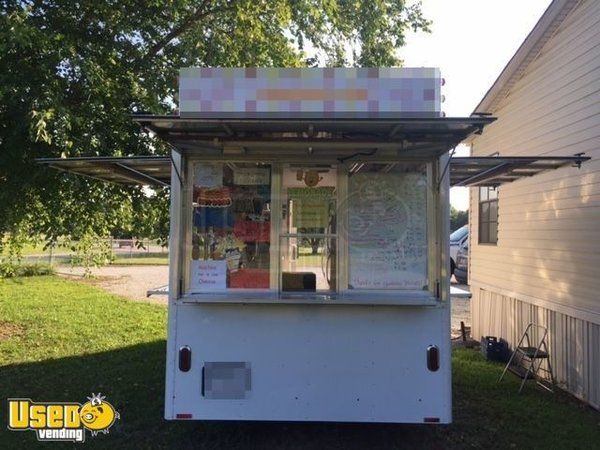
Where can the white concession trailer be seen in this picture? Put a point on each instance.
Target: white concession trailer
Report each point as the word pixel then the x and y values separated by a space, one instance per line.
pixel 309 268
pixel 309 245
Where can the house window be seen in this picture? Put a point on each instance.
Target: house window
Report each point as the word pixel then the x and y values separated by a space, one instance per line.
pixel 488 215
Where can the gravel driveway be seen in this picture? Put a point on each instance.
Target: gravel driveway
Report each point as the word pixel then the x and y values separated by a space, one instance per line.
pixel 461 311
pixel 129 281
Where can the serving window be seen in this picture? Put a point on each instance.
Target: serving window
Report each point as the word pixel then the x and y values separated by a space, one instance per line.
pixel 301 230
pixel 308 229
pixel 231 223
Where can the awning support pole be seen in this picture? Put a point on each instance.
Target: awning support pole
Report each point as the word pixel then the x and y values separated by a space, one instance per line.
pixel 175 168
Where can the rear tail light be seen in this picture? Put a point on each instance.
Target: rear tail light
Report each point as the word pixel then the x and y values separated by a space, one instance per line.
pixel 431 419
pixel 185 358
pixel 433 358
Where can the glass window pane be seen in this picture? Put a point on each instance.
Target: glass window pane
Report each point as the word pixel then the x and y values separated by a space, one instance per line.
pixel 459 234
pixel 308 264
pixel 493 232
pixel 231 227
pixel 310 192
pixel 492 193
pixel 387 227
pixel 484 233
pixel 483 194
pixel 484 212
pixel 493 210
pixel 308 251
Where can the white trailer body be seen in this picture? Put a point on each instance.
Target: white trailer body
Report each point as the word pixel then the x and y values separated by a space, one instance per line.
pixel 317 355
pixel 336 363
pixel 309 246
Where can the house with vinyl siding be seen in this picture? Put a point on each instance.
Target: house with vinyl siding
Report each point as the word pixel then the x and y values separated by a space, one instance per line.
pixel 535 242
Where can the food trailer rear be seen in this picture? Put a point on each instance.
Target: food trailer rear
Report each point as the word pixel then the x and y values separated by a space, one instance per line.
pixel 309 268
pixel 309 245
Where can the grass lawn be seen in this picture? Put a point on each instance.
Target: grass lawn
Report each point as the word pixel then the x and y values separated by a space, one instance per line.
pixel 61 340
pixel 29 249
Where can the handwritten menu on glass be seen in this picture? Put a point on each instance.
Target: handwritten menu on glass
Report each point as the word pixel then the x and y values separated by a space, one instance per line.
pixel 387 236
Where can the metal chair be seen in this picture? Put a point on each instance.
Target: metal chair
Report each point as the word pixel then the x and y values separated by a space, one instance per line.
pixel 526 360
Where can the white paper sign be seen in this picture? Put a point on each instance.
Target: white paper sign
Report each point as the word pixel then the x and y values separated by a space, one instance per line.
pixel 251 176
pixel 208 174
pixel 208 275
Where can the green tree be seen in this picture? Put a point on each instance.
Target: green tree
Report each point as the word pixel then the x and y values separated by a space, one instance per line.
pixel 458 218
pixel 72 72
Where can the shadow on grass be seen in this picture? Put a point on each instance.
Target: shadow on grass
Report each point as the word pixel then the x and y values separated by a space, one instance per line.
pixel 132 378
pixel 486 415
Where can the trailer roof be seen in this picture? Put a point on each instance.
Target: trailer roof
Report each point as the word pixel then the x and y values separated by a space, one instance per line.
pixel 409 136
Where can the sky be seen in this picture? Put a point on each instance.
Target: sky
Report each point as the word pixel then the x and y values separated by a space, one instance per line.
pixel 470 41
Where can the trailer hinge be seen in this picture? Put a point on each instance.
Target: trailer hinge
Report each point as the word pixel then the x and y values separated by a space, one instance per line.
pixel 437 289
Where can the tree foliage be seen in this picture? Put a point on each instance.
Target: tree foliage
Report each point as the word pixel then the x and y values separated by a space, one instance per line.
pixel 458 218
pixel 72 72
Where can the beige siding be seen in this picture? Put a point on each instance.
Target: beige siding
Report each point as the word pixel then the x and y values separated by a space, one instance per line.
pixel 575 358
pixel 548 251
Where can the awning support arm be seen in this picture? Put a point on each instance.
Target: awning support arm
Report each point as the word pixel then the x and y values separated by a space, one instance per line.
pixel 135 175
pixel 446 167
pixel 346 158
pixel 500 168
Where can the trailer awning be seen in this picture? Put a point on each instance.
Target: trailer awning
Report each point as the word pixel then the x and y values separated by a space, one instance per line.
pixel 495 170
pixel 464 171
pixel 260 139
pixel 131 170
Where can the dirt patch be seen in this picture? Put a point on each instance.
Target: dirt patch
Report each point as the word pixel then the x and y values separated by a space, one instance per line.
pixel 10 329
